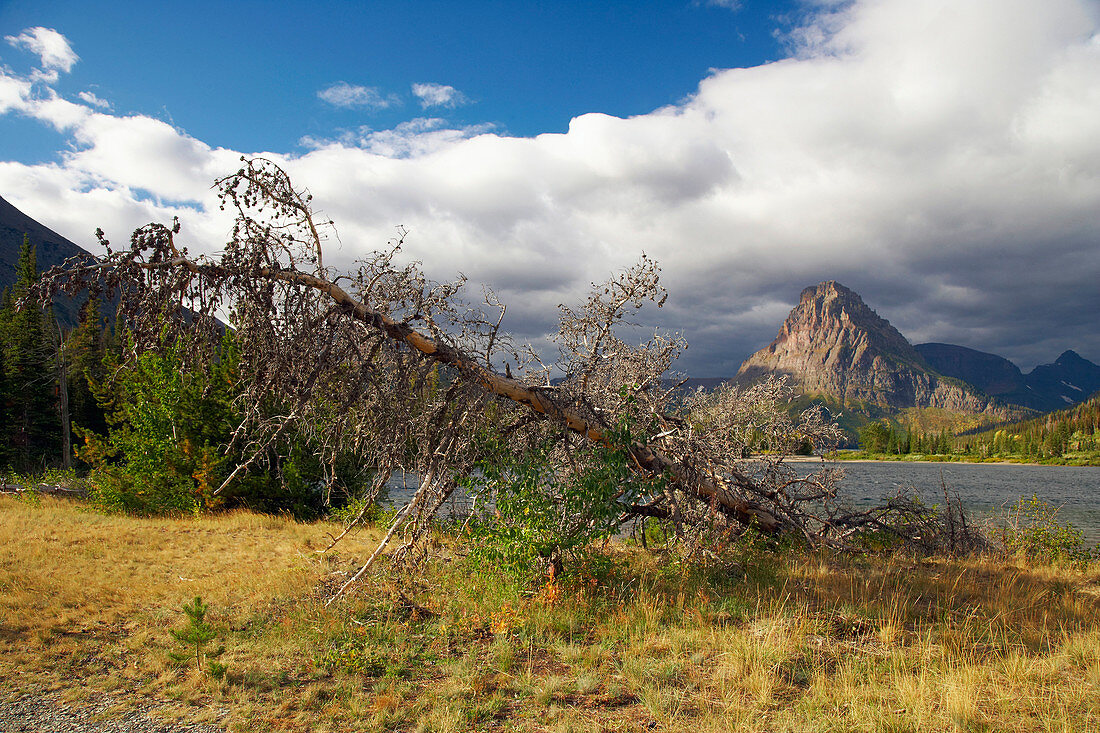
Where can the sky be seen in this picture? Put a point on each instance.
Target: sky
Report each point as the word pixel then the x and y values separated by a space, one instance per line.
pixel 939 157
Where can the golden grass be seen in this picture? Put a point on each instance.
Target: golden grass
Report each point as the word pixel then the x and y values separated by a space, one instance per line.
pixel 803 643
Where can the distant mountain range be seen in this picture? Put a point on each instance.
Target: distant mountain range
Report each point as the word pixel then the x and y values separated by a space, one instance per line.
pixel 1069 380
pixel 832 344
pixel 50 249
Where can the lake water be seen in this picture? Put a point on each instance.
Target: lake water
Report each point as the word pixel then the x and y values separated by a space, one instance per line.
pixel 985 489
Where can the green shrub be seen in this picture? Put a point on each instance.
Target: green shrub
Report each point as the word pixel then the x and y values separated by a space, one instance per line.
pixel 534 515
pixel 159 456
pixel 372 511
pixel 1032 528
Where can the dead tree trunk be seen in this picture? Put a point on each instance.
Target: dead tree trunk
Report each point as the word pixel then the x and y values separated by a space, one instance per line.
pixel 314 338
pixel 710 489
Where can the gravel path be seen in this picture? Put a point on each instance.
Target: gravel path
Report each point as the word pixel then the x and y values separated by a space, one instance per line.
pixel 48 712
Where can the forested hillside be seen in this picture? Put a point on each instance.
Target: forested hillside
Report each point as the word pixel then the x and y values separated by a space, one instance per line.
pixel 1070 433
pixel 1070 436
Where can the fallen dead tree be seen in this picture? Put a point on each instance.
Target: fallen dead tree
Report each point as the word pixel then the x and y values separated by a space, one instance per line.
pixel 50 489
pixel 399 369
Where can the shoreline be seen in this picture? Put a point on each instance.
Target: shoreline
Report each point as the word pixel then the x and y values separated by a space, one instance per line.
pixel 826 459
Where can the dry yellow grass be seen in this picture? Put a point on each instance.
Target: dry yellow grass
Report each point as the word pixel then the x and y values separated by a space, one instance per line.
pixel 802 643
pixel 90 596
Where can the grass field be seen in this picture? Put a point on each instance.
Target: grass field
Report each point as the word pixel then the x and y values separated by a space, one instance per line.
pixel 632 643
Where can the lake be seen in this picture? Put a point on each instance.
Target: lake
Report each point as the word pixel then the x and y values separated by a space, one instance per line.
pixel 985 489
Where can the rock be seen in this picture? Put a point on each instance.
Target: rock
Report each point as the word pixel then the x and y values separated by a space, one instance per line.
pixel 833 344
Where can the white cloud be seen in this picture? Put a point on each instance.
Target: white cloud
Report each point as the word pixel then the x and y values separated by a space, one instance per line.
pixel 942 158
pixel 13 92
pixel 95 101
pixel 150 155
pixel 63 115
pixel 342 94
pixel 415 137
pixel 52 49
pixel 438 95
pixel 727 4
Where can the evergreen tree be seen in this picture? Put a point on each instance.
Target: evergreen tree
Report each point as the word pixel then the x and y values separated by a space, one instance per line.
pixel 32 427
pixel 6 398
pixel 85 350
pixel 874 437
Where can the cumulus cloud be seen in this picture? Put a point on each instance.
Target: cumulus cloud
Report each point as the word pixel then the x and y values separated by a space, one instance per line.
pixel 415 137
pixel 342 94
pixel 51 47
pixel 438 95
pixel 942 158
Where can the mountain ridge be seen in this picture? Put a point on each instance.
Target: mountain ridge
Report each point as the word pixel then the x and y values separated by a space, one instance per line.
pixel 1067 381
pixel 834 344
pixel 50 249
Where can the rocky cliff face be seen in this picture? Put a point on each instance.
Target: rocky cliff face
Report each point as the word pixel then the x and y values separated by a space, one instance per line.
pixel 832 343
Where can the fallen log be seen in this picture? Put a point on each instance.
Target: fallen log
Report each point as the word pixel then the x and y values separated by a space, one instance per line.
pixel 51 489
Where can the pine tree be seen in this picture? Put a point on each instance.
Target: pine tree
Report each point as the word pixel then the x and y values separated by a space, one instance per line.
pixel 7 400
pixel 32 427
pixel 85 350
pixel 195 636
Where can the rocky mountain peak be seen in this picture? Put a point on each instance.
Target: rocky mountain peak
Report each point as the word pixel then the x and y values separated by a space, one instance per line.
pixel 832 318
pixel 1069 357
pixel 829 290
pixel 833 343
pixel 1069 380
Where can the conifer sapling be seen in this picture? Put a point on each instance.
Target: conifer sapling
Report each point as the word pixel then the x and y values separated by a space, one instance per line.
pixel 197 634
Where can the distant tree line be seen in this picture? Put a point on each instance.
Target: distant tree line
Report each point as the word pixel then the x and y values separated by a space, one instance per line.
pixel 882 437
pixel 1073 430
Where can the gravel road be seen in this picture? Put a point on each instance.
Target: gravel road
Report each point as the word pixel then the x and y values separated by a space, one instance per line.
pixel 48 712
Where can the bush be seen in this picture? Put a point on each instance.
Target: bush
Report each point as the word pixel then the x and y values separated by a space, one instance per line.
pixel 1032 528
pixel 165 448
pixel 159 455
pixel 535 516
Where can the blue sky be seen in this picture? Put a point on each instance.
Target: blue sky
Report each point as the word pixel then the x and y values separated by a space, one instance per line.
pixel 246 74
pixel 940 157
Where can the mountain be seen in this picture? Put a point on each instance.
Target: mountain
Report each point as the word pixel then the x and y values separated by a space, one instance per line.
pixel 992 374
pixel 833 344
pixel 1068 381
pixel 50 249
